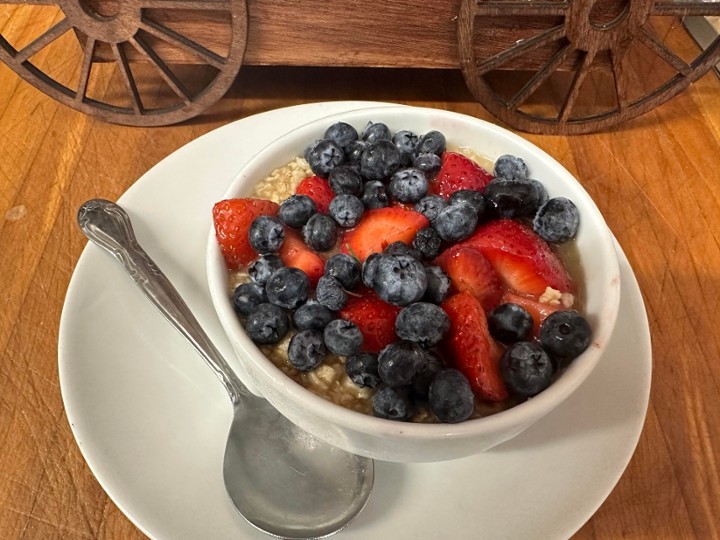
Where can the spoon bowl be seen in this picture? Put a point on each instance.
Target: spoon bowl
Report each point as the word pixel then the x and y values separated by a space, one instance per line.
pixel 281 479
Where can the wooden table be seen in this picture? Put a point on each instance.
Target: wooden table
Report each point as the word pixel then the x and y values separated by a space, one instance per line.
pixel 656 180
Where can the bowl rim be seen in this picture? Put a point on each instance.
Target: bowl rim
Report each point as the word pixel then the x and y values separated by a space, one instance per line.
pixel 521 414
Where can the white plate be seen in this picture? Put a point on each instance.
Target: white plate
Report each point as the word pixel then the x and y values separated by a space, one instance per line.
pixel 151 419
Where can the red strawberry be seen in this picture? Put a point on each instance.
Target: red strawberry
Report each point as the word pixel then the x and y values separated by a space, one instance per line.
pixel 374 317
pixel 319 190
pixel 470 271
pixel 538 310
pixel 470 347
pixel 459 172
pixel 232 219
pixel 523 260
pixel 294 252
pixel 380 228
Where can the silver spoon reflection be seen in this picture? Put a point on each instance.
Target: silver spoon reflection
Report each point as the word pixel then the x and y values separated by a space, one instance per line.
pixel 281 479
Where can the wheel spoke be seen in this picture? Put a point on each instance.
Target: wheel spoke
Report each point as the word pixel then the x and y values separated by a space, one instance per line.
pixel 686 8
pixel 170 36
pixel 127 76
pixel 619 77
pixel 540 77
pixel 202 5
pixel 165 72
pixel 542 39
pixel 84 78
pixel 577 82
pixel 43 41
pixel 519 9
pixel 655 45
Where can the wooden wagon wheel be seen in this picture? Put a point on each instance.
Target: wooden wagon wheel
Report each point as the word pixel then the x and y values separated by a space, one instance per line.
pixel 194 47
pixel 630 48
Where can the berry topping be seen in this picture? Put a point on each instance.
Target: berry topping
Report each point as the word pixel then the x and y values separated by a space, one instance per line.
pixel 267 324
pixel 408 185
pixel 232 219
pixel 342 134
pixel 422 323
pixel 296 210
pixel 450 396
pixel 471 197
pixel 392 404
pixel 557 220
pixel 526 369
pixel 470 348
pixel 248 296
pixel 375 132
pixel 324 156
pixel 296 254
pixel 312 316
pixel 438 286
pixel 362 369
pixel 427 242
pixel 263 267
pixel 405 141
pixel 287 288
pixel 319 190
pixel 565 335
pixel 537 310
pixel 380 228
pixel 455 222
pixel 374 195
pixel 306 350
pixel 459 172
pixel 399 279
pixel 345 179
pixel 380 159
pixel 346 210
pixel 401 248
pixel 433 142
pixel 509 323
pixel 374 317
pixel 330 293
pixel 470 271
pixel 343 337
pixel 428 163
pixel 510 198
pixel 320 232
pixel 353 151
pixel 511 167
pixel 266 234
pixel 426 372
pixel 398 363
pixel 369 268
pixel 345 269
pixel 431 206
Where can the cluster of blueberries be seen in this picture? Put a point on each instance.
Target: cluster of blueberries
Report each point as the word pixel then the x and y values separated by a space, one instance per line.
pixel 367 172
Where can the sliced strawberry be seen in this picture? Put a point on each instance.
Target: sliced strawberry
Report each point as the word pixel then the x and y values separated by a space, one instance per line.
pixel 470 348
pixel 380 228
pixel 523 260
pixel 470 271
pixel 319 190
pixel 459 172
pixel 538 310
pixel 373 316
pixel 232 219
pixel 294 252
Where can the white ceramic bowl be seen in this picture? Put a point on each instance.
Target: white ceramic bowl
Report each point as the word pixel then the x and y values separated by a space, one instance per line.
pixel 408 442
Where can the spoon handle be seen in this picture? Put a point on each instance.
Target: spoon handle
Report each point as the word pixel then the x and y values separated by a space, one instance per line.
pixel 108 225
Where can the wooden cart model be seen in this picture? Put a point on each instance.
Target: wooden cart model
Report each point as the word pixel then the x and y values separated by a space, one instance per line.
pixel 528 62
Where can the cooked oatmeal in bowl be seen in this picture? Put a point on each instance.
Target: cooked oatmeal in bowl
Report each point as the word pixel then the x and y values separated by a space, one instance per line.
pixel 411 284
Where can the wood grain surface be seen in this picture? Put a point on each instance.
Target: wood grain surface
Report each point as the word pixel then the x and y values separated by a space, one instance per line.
pixel 656 179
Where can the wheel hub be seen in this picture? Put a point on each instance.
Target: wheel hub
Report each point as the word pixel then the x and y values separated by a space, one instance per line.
pixel 604 24
pixel 114 20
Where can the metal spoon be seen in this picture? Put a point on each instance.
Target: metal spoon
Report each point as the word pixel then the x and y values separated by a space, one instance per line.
pixel 281 479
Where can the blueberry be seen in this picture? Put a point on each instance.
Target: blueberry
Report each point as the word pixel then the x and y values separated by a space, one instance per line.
pixel 526 369
pixel 330 293
pixel 263 267
pixel 374 195
pixel 312 316
pixel 392 404
pixel 362 369
pixel 345 269
pixel 422 323
pixel 342 134
pixel 399 279
pixel 401 248
pixel 509 323
pixel 266 234
pixel 405 141
pixel 456 222
pixel 408 185
pixel 380 160
pixel 287 287
pixel 369 268
pixel 511 198
pixel 430 164
pixel 471 197
pixel 431 206
pixel 345 179
pixel 320 232
pixel 565 335
pixel 353 151
pixel 343 337
pixel 248 296
pixel 267 324
pixel 296 210
pixel 438 285
pixel 427 242
pixel 306 350
pixel 426 372
pixel 450 396
pixel 399 362
pixel 511 167
pixel 557 220
pixel 324 156
pixel 374 132
pixel 346 210
pixel 433 142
